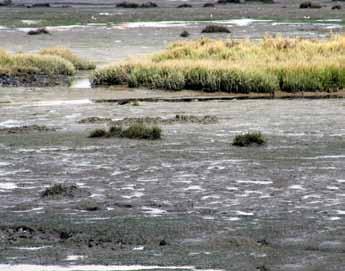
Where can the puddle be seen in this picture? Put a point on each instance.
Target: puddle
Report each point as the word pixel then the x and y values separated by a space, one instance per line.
pixel 81 83
pixel 8 186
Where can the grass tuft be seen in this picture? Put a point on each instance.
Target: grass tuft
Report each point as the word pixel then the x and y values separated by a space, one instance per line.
pixel 249 139
pixel 79 63
pixel 141 131
pixel 61 190
pixel 134 131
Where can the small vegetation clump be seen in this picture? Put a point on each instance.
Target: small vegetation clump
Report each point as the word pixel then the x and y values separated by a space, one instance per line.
pixel 98 133
pixel 38 31
pixel 63 190
pixel 141 131
pixel 134 131
pixel 249 139
pixel 309 4
pixel 215 29
pixel 336 7
pixel 23 63
pixel 230 1
pixel 136 5
pixel 185 6
pixel 184 34
pixel 265 66
pixel 209 5
pixel 79 63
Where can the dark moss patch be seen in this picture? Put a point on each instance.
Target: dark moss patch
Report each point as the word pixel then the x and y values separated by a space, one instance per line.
pixel 230 1
pixel 38 5
pixel 184 34
pixel 336 7
pixel 309 4
pixel 33 80
pixel 185 6
pixel 98 133
pixel 38 31
pixel 136 5
pixel 149 5
pixel 215 29
pixel 64 190
pixel 163 243
pixel 209 5
pixel 249 139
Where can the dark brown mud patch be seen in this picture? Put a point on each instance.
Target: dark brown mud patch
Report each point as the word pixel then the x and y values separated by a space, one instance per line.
pixel 94 120
pixel 33 80
pixel 178 119
pixel 26 129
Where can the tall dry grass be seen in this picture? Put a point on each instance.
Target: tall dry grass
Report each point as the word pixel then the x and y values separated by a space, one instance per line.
pixel 271 64
pixel 25 63
pixel 78 62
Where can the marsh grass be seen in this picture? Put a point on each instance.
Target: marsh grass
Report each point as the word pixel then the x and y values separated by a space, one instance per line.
pixel 249 139
pixel 141 131
pixel 79 63
pixel 134 131
pixel 61 190
pixel 271 64
pixel 23 63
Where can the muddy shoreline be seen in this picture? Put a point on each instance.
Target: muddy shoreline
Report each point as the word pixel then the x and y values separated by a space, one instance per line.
pixel 29 80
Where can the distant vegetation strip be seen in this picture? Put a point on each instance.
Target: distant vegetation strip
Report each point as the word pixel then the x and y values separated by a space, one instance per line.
pixel 236 66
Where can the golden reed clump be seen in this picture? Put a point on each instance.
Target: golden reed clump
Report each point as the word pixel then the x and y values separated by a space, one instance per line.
pixel 51 61
pixel 239 66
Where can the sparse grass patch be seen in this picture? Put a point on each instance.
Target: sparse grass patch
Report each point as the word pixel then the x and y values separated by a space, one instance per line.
pixel 79 63
pixel 265 66
pixel 63 190
pixel 249 139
